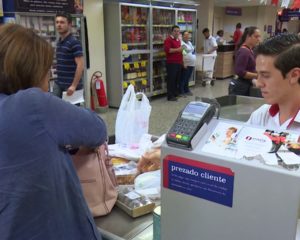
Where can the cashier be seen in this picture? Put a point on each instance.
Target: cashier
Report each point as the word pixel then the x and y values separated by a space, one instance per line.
pixel 278 68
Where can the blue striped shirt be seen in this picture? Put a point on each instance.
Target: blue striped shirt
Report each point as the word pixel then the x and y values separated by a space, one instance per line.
pixel 66 52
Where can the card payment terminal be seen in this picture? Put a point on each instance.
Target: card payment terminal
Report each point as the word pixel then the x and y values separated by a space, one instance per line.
pixel 188 123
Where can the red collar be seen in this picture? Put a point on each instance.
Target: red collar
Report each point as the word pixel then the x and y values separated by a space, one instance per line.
pixel 274 109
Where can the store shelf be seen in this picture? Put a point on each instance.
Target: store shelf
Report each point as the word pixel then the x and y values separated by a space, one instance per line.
pixel 162 26
pixel 136 44
pixel 159 92
pixel 160 75
pixel 140 30
pixel 185 22
pixel 133 25
pixel 135 52
pixel 139 79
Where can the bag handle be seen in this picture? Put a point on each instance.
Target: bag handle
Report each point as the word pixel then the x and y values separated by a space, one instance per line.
pixel 144 101
pixel 128 99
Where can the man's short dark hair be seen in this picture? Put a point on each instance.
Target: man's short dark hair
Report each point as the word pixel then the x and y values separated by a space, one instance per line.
pixel 205 30
pixel 65 15
pixel 175 26
pixel 238 25
pixel 285 48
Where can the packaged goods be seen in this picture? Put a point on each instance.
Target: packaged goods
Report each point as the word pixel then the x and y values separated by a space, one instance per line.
pixel 133 203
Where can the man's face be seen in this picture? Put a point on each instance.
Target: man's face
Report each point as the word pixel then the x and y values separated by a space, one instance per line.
pixel 206 35
pixel 274 87
pixel 62 25
pixel 176 32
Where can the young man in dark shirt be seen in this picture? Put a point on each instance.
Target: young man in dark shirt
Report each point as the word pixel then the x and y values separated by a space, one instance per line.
pixel 69 57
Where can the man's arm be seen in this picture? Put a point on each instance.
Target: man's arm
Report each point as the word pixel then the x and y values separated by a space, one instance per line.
pixel 214 44
pixel 78 74
pixel 173 50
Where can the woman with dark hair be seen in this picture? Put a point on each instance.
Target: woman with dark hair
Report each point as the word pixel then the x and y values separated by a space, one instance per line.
pixel 40 193
pixel 244 66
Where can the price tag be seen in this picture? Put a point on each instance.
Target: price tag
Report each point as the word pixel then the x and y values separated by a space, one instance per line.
pixel 125 84
pixel 144 81
pixel 143 63
pixel 136 65
pixel 124 47
pixel 132 195
pixel 126 66
pixel 132 83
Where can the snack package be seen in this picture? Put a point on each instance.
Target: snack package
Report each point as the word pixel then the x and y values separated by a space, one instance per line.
pixel 133 203
pixel 125 171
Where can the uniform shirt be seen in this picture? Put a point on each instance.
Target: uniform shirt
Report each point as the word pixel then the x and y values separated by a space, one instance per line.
pixel 244 62
pixel 268 116
pixel 209 44
pixel 175 57
pixel 237 36
pixel 66 52
pixel 189 57
pixel 40 193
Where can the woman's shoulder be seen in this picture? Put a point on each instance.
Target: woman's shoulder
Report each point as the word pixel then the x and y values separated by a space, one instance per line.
pixel 33 94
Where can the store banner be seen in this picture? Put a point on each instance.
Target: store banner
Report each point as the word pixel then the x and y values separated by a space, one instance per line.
pixel 51 6
pixel 296 4
pixel 1 8
pixel 199 179
pixel 233 11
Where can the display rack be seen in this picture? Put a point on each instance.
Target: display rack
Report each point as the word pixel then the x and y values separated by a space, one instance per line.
pixel 135 46
pixel 162 21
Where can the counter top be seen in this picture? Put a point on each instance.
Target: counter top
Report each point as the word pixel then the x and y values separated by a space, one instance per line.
pixel 226 48
pixel 119 226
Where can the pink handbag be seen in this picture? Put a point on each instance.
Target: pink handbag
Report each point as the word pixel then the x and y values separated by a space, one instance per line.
pixel 97 180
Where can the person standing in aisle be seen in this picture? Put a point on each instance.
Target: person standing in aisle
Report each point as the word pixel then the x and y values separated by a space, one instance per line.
pixel 244 65
pixel 173 50
pixel 278 68
pixel 189 60
pixel 69 58
pixel 40 193
pixel 237 34
pixel 210 44
pixel 210 47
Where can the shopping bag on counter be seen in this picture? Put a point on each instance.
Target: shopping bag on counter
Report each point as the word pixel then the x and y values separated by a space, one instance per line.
pixel 98 180
pixel 133 118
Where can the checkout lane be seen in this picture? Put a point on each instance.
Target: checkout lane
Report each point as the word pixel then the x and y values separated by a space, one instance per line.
pixel 118 225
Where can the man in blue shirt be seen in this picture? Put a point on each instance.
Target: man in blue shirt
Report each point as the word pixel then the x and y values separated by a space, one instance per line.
pixel 69 57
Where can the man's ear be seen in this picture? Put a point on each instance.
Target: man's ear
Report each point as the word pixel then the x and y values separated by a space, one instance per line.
pixel 294 75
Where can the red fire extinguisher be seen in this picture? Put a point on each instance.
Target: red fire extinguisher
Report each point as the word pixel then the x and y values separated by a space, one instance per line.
pixel 98 95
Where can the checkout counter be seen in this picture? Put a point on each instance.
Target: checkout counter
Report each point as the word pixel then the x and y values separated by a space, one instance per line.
pixel 262 203
pixel 226 191
pixel 224 65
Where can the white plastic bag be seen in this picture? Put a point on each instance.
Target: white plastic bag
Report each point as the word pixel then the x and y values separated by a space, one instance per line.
pixel 132 118
pixel 148 184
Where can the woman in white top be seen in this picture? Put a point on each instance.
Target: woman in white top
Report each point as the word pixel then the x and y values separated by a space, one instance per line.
pixel 189 59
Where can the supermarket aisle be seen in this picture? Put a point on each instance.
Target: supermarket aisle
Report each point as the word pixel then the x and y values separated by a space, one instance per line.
pixel 165 112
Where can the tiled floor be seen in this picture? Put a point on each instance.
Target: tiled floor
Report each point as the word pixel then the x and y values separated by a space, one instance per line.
pixel 165 112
